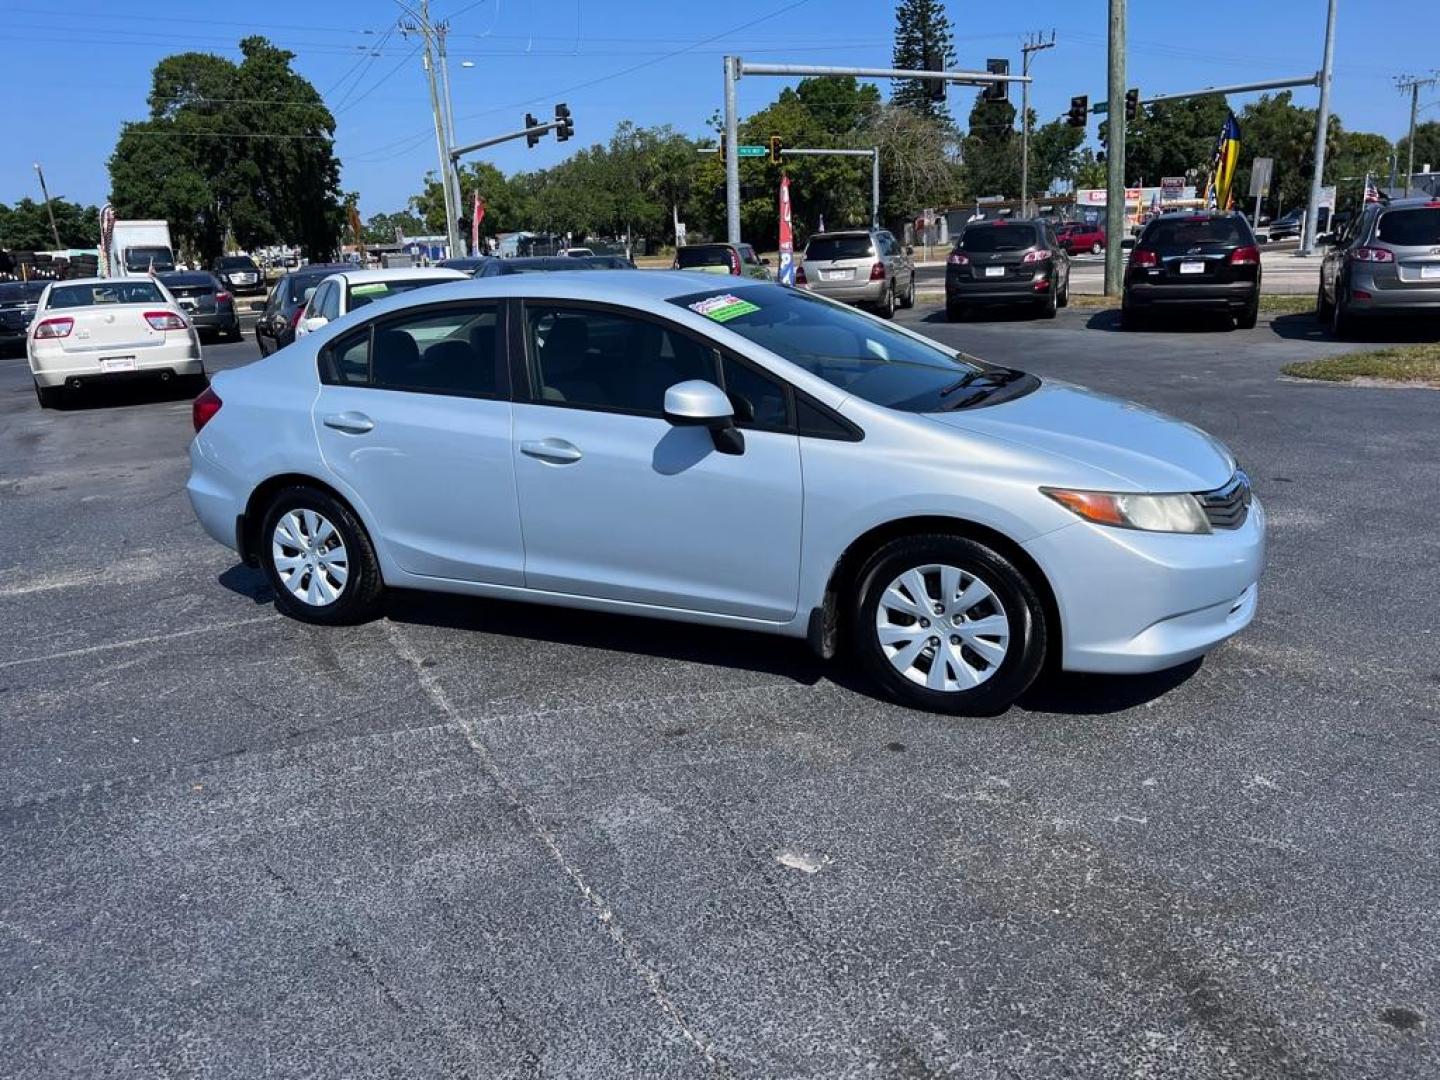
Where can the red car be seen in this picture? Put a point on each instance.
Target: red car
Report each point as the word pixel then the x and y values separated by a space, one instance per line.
pixel 1077 237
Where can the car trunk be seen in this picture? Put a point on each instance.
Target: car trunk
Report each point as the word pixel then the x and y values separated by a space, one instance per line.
pixel 110 328
pixel 841 260
pixel 1414 237
pixel 196 299
pixel 996 253
pixel 1198 252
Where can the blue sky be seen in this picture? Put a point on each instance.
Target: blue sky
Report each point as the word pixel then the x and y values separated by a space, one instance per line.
pixel 87 64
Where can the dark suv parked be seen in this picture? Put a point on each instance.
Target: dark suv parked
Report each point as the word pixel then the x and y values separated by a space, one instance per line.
pixel 1007 262
pixel 239 274
pixel 1197 261
pixel 286 304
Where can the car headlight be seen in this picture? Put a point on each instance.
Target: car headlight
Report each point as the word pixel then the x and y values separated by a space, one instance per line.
pixel 1179 513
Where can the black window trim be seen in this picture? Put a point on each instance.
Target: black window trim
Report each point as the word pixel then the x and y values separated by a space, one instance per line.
pixel 522 370
pixel 503 380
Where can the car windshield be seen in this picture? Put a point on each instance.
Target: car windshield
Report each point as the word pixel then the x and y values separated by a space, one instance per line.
pixel 709 255
pixel 139 259
pixel 839 247
pixel 20 292
pixel 984 238
pixel 1410 228
pixel 367 292
pixel 855 352
pixel 1195 232
pixel 111 292
pixel 543 264
pixel 237 262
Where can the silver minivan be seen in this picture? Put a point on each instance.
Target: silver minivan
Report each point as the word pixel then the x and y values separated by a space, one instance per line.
pixel 860 267
pixel 1385 260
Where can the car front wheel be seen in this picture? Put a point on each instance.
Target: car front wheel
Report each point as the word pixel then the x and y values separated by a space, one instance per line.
pixel 319 559
pixel 948 624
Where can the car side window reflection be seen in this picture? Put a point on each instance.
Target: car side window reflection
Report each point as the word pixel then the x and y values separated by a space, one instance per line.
pixel 447 352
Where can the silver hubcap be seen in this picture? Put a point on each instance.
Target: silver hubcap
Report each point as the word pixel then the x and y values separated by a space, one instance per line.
pixel 310 557
pixel 942 628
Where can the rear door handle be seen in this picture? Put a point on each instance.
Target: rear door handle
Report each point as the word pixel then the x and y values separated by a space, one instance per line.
pixel 555 451
pixel 353 423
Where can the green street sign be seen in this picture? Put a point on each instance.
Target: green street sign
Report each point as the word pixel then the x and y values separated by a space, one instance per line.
pixel 752 151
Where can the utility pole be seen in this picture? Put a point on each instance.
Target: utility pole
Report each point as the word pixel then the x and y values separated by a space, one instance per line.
pixel 1115 153
pixel 1322 125
pixel 452 176
pixel 49 210
pixel 1413 84
pixel 1026 51
pixel 422 25
pixel 729 143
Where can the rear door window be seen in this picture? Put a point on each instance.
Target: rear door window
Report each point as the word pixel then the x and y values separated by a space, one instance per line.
pixel 708 255
pixel 994 238
pixel 1419 227
pixel 452 351
pixel 828 248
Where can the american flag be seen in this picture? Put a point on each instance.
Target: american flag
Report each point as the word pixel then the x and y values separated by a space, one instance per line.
pixel 1372 193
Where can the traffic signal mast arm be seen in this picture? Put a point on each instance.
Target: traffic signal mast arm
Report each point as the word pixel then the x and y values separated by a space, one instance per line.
pixel 1211 91
pixel 562 125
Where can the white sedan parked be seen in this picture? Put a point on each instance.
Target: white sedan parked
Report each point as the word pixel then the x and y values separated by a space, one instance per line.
pixel 345 291
pixel 99 330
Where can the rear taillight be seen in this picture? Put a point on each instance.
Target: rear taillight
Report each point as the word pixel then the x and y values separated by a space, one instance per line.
pixel 734 262
pixel 295 319
pixel 957 259
pixel 165 320
pixel 1142 257
pixel 1245 256
pixel 54 328
pixel 1035 256
pixel 800 278
pixel 877 272
pixel 204 408
pixel 1371 255
pixel 222 297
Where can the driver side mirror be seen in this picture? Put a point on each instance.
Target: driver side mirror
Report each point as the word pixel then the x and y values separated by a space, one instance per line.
pixel 315 322
pixel 697 403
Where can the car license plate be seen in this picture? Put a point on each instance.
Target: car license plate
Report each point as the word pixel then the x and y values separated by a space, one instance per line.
pixel 117 363
pixel 1192 268
pixel 994 271
pixel 1429 273
pixel 836 275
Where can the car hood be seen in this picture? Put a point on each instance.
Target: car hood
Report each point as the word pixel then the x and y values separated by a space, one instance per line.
pixel 1143 449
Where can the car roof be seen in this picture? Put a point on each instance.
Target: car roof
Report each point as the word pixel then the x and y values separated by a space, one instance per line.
pixel 399 273
pixel 637 289
pixel 100 280
pixel 1414 202
pixel 185 277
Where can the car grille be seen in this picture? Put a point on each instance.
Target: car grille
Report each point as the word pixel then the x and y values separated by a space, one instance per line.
pixel 1227 507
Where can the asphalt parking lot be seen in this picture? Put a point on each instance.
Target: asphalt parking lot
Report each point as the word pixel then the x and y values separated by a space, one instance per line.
pixel 484 840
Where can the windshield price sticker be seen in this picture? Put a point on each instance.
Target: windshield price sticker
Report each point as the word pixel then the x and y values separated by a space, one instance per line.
pixel 370 289
pixel 723 308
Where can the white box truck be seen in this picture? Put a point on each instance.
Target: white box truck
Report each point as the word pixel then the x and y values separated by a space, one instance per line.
pixel 137 247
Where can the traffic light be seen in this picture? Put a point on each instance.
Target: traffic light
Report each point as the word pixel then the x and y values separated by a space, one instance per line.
pixel 567 125
pixel 777 145
pixel 531 137
pixel 999 91
pixel 1079 111
pixel 935 88
pixel 1132 103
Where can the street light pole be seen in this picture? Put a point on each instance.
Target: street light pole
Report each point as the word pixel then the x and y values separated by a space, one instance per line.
pixel 1026 51
pixel 50 211
pixel 1322 124
pixel 1115 153
pixel 731 152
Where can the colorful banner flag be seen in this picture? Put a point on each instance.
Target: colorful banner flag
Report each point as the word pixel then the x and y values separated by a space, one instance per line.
pixel 1227 157
pixel 787 235
pixel 107 237
pixel 1372 193
pixel 477 215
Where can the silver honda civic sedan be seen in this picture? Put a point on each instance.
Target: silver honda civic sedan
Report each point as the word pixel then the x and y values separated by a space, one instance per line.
pixel 732 453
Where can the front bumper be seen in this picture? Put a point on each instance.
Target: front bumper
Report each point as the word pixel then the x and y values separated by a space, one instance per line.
pixel 1132 602
pixel 1232 295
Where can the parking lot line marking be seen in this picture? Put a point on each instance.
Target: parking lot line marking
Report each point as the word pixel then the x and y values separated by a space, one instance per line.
pixel 604 914
pixel 130 642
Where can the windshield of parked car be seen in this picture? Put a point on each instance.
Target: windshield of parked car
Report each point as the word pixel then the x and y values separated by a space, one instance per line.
pixel 367 292
pixel 1410 228
pixel 1195 232
pixel 988 238
pixel 111 292
pixel 139 259
pixel 855 352
pixel 839 247
pixel 688 258
pixel 237 262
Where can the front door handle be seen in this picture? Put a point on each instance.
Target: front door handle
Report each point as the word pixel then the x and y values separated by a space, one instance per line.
pixel 353 423
pixel 555 451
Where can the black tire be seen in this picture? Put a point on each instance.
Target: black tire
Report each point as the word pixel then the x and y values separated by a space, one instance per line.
pixel 887 306
pixel 1049 303
pixel 1322 305
pixel 360 596
pixel 234 333
pixel 1250 315
pixel 1130 317
pixel 954 312
pixel 50 397
pixel 1064 298
pixel 1024 615
pixel 1342 323
pixel 908 300
pixel 1096 248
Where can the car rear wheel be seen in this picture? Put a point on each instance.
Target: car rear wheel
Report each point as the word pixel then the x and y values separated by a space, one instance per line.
pixel 1064 298
pixel 1248 317
pixel 887 305
pixel 909 300
pixel 1096 248
pixel 50 397
pixel 1049 302
pixel 319 559
pixel 948 624
pixel 954 312
pixel 1342 323
pixel 1322 305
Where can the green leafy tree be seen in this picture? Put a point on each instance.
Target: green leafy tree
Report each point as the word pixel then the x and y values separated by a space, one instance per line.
pixel 922 32
pixel 1054 154
pixel 26 226
pixel 1427 147
pixel 1173 138
pixel 991 150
